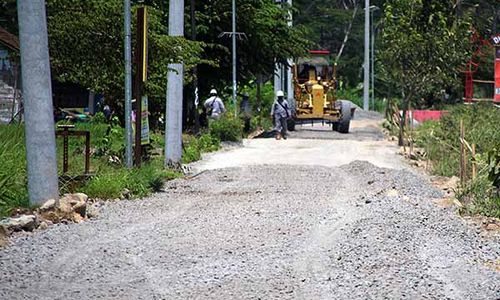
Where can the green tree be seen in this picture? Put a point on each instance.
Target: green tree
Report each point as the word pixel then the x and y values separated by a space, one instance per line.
pixel 338 26
pixel 425 42
pixel 86 44
pixel 266 38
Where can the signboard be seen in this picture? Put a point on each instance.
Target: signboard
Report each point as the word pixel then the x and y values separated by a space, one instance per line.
pixel 144 121
pixel 496 40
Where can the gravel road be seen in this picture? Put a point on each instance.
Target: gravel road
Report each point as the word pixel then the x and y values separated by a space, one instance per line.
pixel 352 229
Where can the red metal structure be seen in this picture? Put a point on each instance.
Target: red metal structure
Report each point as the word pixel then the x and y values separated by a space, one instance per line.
pixel 496 42
pixel 480 45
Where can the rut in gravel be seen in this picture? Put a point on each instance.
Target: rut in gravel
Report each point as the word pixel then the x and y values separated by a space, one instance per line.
pixel 263 232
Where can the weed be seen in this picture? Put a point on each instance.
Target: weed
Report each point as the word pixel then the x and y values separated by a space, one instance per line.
pixel 194 147
pixel 140 182
pixel 440 139
pixel 227 128
pixel 13 179
pixel 480 197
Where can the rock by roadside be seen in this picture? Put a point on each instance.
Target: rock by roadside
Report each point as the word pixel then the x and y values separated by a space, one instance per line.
pixel 21 223
pixel 73 208
pixel 3 237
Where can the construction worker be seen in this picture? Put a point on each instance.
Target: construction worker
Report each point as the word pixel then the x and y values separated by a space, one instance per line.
pixel 246 111
pixel 214 106
pixel 280 112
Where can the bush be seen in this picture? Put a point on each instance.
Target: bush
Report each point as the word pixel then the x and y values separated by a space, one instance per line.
pixel 194 147
pixel 191 151
pixel 140 182
pixel 264 123
pixel 208 143
pixel 227 128
pixel 267 97
pixel 441 139
pixel 442 145
pixel 480 197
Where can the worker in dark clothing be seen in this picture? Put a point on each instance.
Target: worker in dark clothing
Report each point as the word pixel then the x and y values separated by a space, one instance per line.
pixel 246 111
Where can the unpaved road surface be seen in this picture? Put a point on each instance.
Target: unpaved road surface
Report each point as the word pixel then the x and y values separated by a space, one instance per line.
pixel 357 226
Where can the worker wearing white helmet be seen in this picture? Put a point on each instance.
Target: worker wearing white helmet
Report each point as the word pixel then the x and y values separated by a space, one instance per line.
pixel 214 105
pixel 280 113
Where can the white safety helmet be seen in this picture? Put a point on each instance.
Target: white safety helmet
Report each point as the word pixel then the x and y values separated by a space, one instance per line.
pixel 280 94
pixel 213 92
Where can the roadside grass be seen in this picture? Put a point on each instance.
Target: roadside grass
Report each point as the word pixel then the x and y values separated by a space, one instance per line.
pixel 13 180
pixel 140 182
pixel 109 180
pixel 480 197
pixel 440 139
pixel 193 147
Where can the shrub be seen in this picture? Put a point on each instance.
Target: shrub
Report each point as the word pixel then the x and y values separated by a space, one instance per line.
pixel 480 197
pixel 191 151
pixel 227 128
pixel 441 139
pixel 264 123
pixel 194 147
pixel 208 143
pixel 111 183
pixel 442 145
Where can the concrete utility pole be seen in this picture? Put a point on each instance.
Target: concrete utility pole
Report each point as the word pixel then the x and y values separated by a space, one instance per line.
pixel 233 35
pixel 366 81
pixel 195 71
pixel 128 86
pixel 279 69
pixel 277 77
pixel 289 82
pixel 173 114
pixel 37 93
pixel 373 8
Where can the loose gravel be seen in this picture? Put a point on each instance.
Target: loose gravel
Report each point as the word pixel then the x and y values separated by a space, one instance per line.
pixel 263 232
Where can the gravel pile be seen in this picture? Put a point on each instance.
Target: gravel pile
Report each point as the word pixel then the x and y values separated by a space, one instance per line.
pixel 263 232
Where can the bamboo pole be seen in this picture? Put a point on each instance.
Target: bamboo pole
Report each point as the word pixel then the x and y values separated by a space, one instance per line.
pixel 462 152
pixel 410 115
pixel 474 166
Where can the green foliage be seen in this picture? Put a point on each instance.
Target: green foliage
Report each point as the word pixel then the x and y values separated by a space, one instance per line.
pixel 227 128
pixel 442 145
pixel 263 122
pixel 480 197
pixel 355 95
pixel 328 23
pixel 191 151
pixel 441 139
pixel 267 38
pixel 493 167
pixel 424 45
pixel 208 143
pixel 86 43
pixel 112 182
pixel 86 47
pixel 195 146
pixel 13 180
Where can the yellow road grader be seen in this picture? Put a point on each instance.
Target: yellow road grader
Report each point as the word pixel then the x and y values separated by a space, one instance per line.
pixel 315 84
